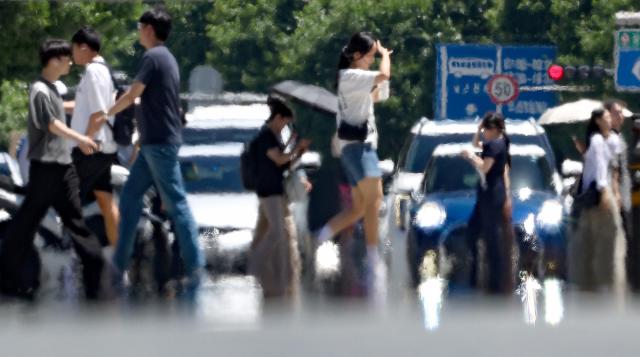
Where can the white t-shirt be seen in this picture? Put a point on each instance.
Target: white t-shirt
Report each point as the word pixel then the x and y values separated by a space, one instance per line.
pixel 355 102
pixel 597 160
pixel 94 93
pixel 613 141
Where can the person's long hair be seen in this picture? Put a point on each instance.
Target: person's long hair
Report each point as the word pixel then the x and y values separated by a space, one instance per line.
pixel 593 127
pixel 493 120
pixel 360 42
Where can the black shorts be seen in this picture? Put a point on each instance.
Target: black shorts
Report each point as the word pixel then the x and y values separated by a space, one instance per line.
pixel 94 172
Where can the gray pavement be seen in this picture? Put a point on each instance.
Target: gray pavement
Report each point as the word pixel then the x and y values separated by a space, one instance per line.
pixel 231 318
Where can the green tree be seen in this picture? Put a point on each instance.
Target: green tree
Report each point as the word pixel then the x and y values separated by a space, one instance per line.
pixel 584 33
pixel 188 39
pixel 257 43
pixel 13 109
pixel 524 21
pixel 246 38
pixel 32 22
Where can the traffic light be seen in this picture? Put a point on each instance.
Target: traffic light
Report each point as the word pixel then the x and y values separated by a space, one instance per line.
pixel 556 72
pixel 559 72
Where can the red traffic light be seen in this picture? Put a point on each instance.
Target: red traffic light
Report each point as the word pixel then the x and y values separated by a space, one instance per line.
pixel 555 72
pixel 558 72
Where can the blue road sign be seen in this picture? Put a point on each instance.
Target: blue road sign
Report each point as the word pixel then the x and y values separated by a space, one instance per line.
pixel 463 72
pixel 627 60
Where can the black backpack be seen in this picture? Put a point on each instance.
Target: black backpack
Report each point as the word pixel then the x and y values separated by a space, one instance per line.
pixel 124 122
pixel 249 165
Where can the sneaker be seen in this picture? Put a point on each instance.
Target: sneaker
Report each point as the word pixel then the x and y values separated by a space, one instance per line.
pixel 116 282
pixel 327 260
pixel 376 281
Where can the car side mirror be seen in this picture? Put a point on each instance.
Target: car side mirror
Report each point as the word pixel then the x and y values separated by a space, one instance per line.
pixel 417 196
pixel 571 168
pixel 387 167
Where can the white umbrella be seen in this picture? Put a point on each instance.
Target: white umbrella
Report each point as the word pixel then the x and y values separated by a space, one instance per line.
pixel 572 112
pixel 310 95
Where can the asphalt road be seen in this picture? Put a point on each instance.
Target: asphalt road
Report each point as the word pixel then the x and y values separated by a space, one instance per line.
pixel 231 318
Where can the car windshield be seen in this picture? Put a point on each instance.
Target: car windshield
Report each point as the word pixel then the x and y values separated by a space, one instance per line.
pixel 203 136
pixel 206 136
pixel 211 174
pixel 422 148
pixel 453 173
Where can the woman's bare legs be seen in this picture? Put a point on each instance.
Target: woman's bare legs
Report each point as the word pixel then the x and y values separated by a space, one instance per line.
pixel 366 198
pixel 371 188
pixel 349 216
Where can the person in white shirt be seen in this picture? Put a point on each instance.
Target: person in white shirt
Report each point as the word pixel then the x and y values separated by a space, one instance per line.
pixel 358 88
pixel 591 246
pixel 95 95
pixel 622 177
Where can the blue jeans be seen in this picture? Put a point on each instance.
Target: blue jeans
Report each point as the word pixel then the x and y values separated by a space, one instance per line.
pixel 157 164
pixel 359 161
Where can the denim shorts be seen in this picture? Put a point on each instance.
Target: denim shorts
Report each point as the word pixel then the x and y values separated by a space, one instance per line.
pixel 359 160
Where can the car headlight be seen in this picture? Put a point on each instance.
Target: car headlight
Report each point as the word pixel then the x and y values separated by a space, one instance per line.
pixel 529 225
pixel 550 214
pixel 430 215
pixel 524 193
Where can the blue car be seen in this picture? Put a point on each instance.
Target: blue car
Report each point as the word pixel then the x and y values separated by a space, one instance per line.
pixel 427 134
pixel 440 210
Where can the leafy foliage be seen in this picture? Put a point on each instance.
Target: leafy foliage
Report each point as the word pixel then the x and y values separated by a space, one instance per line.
pixel 14 102
pixel 256 43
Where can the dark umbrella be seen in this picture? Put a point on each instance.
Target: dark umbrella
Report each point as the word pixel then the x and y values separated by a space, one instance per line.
pixel 307 94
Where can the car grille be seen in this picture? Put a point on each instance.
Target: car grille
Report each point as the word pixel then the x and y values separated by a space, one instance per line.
pixel 460 233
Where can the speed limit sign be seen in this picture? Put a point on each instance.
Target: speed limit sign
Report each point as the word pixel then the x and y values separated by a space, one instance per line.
pixel 502 89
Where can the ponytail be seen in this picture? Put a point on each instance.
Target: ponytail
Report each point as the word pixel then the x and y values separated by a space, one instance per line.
pixel 344 62
pixel 360 42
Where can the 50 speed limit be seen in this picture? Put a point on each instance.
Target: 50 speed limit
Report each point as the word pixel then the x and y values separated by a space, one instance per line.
pixel 502 89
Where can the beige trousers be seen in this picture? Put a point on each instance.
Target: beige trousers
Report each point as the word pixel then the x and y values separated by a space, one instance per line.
pixel 591 248
pixel 274 256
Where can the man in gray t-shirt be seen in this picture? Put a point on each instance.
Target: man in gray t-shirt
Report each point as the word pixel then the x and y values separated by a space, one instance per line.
pixel 53 182
pixel 45 106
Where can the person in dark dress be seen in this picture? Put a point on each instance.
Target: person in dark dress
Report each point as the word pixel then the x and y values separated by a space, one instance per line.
pixel 488 213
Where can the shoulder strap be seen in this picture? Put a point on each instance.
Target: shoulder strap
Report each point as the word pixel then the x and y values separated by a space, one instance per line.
pixel 113 79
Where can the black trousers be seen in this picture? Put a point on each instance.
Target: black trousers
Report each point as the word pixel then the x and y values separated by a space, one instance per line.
pixel 50 185
pixel 633 250
pixel 486 223
pixel 94 172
